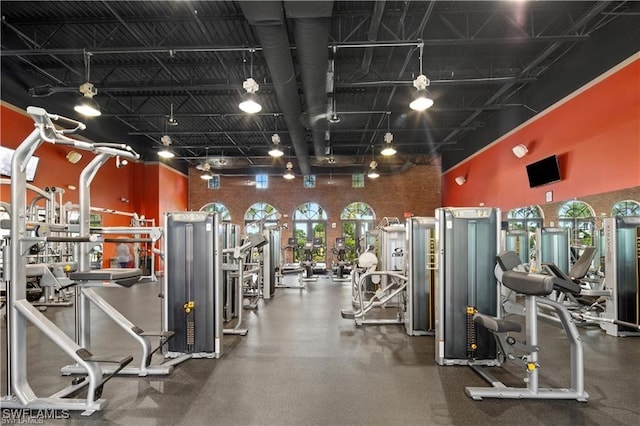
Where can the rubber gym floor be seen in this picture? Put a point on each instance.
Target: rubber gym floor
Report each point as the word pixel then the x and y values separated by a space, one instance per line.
pixel 302 364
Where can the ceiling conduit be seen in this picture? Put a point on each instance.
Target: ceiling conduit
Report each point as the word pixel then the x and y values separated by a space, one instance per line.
pixel 267 18
pixel 311 25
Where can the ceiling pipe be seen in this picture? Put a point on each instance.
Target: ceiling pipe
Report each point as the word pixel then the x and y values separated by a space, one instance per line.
pixel 311 27
pixel 267 18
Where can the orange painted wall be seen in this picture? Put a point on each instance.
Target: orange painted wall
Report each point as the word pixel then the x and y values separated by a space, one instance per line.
pixel 595 134
pixel 173 188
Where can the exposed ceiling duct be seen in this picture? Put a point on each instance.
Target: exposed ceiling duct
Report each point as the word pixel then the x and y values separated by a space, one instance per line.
pixel 267 18
pixel 311 22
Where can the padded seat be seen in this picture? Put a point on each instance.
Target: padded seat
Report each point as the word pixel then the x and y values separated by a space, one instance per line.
pixel 125 277
pixel 496 325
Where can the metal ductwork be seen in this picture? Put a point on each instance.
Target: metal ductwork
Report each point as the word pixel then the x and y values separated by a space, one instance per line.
pixel 311 21
pixel 267 17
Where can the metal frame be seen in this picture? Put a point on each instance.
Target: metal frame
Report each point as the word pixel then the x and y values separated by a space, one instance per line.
pixel 533 391
pixel 19 310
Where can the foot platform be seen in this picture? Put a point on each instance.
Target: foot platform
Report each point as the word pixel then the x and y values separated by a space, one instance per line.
pixel 347 314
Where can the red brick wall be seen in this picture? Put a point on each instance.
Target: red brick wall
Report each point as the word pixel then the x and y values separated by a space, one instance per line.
pixel 416 191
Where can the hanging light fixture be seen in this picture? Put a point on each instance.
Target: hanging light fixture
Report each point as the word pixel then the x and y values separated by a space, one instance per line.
pixel 373 173
pixel 288 174
pixel 275 150
pixel 165 152
pixel 206 167
pixel 421 99
pixel 388 149
pixel 334 118
pixel 171 121
pixel 86 105
pixel 249 101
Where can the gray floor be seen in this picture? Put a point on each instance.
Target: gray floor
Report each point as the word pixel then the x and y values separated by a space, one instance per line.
pixel 302 364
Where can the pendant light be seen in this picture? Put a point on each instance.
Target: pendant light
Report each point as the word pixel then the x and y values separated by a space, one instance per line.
pixel 249 102
pixel 388 149
pixel 86 105
pixel 421 98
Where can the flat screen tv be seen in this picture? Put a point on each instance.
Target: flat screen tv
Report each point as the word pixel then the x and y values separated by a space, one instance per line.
pixel 5 164
pixel 543 172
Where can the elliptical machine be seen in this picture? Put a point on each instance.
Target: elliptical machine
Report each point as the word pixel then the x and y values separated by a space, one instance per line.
pixel 341 264
pixel 307 260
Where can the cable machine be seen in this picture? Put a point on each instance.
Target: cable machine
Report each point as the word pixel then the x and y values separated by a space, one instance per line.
pixel 467 244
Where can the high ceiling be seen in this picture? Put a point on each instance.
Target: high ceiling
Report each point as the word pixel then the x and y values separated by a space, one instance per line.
pixel 310 59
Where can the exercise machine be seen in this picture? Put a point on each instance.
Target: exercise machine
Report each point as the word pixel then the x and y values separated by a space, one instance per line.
pixel 192 287
pixel 88 279
pixel 554 246
pixel 307 263
pixel 419 318
pixel 341 266
pixel 621 291
pixel 234 269
pixel 390 285
pixel 290 273
pixel 20 312
pixel 534 287
pixel 517 240
pixel 467 244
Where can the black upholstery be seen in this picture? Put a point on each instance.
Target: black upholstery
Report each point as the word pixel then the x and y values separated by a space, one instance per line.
pixel 529 284
pixel 563 282
pixel 508 260
pixel 496 325
pixel 581 267
pixel 125 277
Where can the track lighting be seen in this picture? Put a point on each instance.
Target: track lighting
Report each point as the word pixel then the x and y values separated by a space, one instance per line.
pixel 460 180
pixel 86 105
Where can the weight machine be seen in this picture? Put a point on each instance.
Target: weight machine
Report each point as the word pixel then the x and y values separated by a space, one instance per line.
pixel 467 244
pixel 419 316
pixel 533 286
pixel 87 279
pixel 380 282
pixel 620 291
pixel 233 268
pixel 19 311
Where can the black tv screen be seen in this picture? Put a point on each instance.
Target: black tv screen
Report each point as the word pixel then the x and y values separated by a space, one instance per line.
pixel 543 172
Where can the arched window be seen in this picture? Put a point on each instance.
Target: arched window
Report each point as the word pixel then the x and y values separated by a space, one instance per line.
pixel 263 212
pixel 309 224
pixel 357 218
pixel 218 208
pixel 580 217
pixel 626 208
pixel 529 218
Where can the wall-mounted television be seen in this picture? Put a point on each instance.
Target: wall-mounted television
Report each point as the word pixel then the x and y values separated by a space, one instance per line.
pixel 5 164
pixel 543 172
